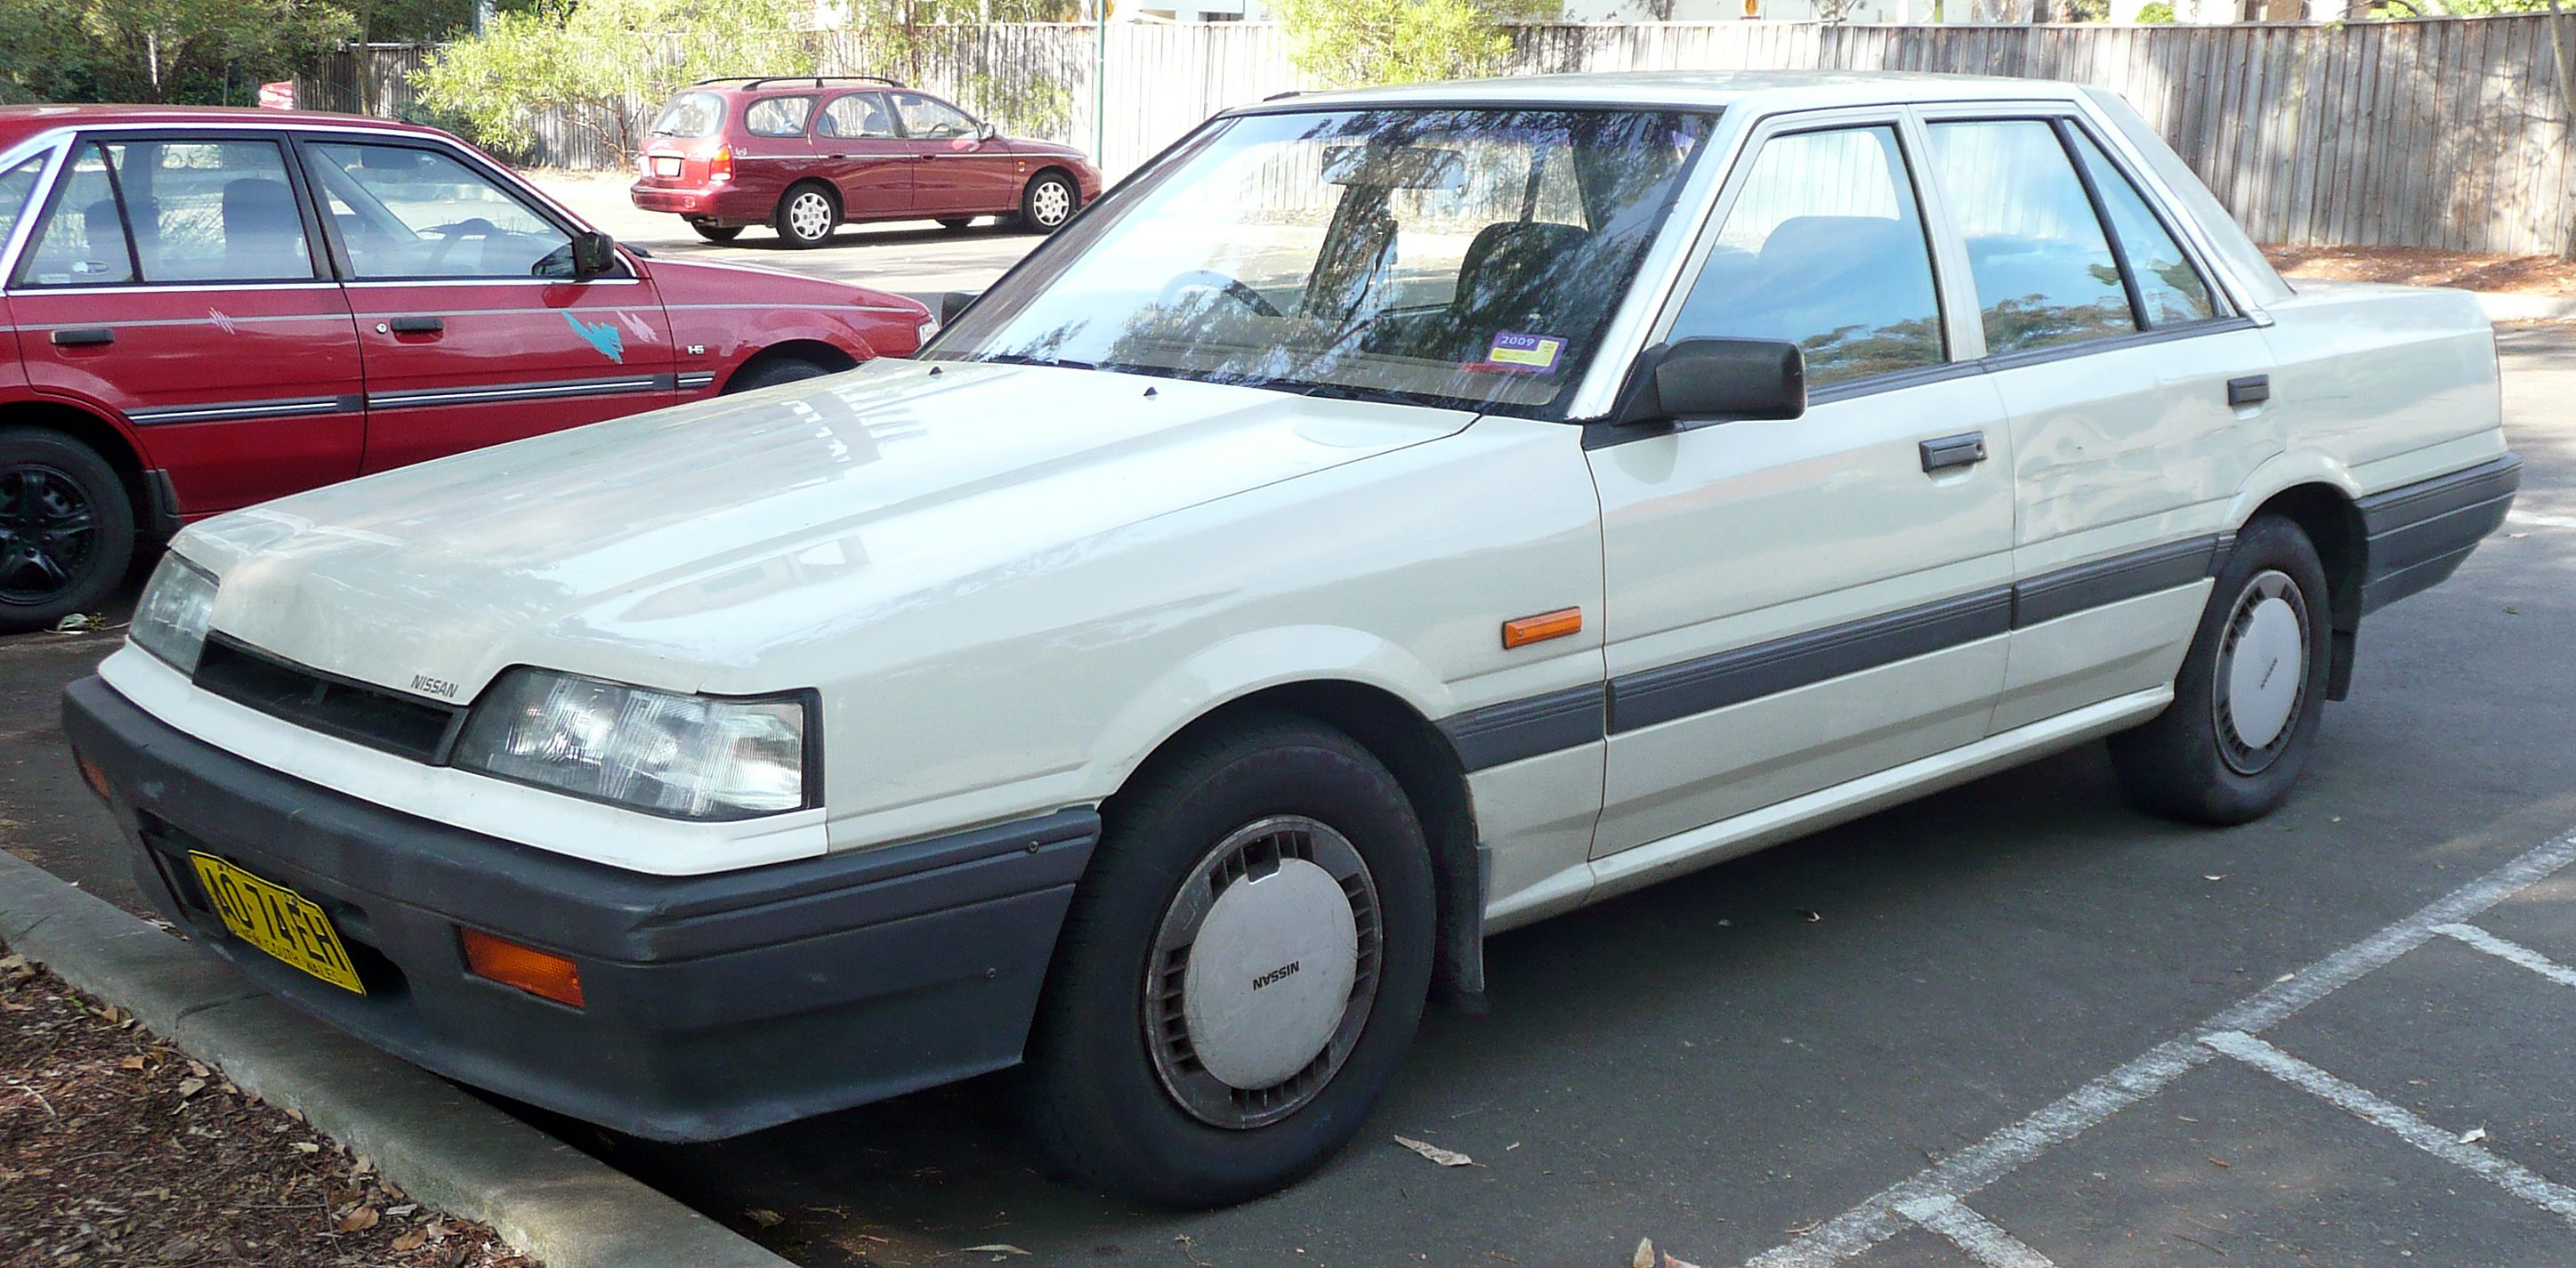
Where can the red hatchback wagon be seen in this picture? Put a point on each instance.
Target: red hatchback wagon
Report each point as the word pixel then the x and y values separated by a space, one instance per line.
pixel 808 153
pixel 201 309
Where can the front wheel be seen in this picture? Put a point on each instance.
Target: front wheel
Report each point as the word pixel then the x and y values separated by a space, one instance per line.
pixel 713 232
pixel 807 215
pixel 66 528
pixel 1049 201
pixel 1241 973
pixel 2250 693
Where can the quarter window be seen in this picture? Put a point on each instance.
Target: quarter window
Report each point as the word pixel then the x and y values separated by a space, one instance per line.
pixel 2173 292
pixel 408 212
pixel 861 115
pixel 2044 270
pixel 83 240
pixel 929 120
pixel 778 116
pixel 1824 247
pixel 15 185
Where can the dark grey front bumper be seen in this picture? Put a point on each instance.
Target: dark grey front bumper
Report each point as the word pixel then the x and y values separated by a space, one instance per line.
pixel 714 1005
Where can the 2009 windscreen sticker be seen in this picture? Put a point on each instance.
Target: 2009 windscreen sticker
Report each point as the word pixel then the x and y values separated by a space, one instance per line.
pixel 1518 353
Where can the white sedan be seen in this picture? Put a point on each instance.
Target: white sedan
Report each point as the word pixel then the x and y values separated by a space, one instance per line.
pixel 1388 518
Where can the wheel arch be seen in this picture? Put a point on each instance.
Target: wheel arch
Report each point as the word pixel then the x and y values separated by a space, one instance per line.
pixel 2326 511
pixel 833 359
pixel 1424 763
pixel 155 506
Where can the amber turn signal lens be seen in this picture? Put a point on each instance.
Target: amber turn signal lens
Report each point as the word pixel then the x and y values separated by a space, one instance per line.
pixel 539 973
pixel 1538 629
pixel 92 776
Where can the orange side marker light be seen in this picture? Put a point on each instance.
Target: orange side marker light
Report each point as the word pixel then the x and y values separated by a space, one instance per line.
pixel 539 973
pixel 1523 631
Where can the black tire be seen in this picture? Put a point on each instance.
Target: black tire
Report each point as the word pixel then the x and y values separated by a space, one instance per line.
pixel 807 214
pixel 2193 762
pixel 1048 202
pixel 1099 1101
pixel 955 222
pixel 715 232
pixel 772 371
pixel 66 528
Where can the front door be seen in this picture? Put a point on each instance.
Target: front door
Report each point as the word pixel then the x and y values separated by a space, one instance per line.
pixel 472 328
pixel 856 146
pixel 1792 605
pixel 2132 392
pixel 174 279
pixel 959 173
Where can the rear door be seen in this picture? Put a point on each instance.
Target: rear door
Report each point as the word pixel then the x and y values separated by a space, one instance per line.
pixel 472 328
pixel 177 279
pixel 2137 398
pixel 856 145
pixel 960 173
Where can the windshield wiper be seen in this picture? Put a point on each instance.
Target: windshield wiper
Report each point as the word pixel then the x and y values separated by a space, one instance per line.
pixel 1017 358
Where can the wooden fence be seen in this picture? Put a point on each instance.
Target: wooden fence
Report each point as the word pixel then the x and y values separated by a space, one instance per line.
pixel 2451 133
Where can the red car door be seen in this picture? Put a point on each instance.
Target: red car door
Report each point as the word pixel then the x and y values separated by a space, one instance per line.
pixel 960 173
pixel 471 327
pixel 174 279
pixel 855 144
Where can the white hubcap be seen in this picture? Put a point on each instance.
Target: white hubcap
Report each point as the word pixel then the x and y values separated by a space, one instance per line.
pixel 1052 202
pixel 2262 672
pixel 1263 972
pixel 810 215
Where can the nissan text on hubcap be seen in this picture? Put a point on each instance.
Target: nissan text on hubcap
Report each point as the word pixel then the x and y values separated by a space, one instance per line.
pixel 1052 203
pixel 46 527
pixel 2262 673
pixel 810 215
pixel 1263 972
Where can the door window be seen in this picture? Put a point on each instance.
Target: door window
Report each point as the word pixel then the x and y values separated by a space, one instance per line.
pixel 409 212
pixel 858 116
pixel 2044 270
pixel 778 116
pixel 83 240
pixel 927 119
pixel 212 211
pixel 2172 291
pixel 1824 247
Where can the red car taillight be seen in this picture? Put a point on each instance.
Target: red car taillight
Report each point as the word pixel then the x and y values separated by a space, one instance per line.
pixel 720 167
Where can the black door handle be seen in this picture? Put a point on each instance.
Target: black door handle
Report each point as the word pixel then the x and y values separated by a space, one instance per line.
pixel 84 337
pixel 2253 389
pixel 419 325
pixel 1964 450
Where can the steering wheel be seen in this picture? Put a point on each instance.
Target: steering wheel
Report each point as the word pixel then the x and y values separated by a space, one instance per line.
pixel 1232 288
pixel 450 235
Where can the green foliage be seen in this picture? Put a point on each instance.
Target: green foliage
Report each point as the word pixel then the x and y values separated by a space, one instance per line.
pixel 1349 43
pixel 604 59
pixel 2156 13
pixel 193 51
pixel 1020 106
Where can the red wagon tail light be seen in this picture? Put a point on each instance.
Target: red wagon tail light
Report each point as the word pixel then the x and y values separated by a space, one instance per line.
pixel 720 166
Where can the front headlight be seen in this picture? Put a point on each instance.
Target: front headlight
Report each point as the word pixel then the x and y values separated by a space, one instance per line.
pixel 688 757
pixel 170 622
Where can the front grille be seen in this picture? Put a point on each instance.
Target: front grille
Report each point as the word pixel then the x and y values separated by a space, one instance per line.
pixel 353 711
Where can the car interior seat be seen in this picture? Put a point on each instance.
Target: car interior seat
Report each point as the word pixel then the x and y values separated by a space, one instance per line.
pixel 263 233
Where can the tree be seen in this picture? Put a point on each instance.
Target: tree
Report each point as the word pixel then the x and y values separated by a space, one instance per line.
pixel 1349 43
pixel 159 50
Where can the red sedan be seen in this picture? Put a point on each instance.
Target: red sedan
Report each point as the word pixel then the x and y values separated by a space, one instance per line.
pixel 208 308
pixel 806 154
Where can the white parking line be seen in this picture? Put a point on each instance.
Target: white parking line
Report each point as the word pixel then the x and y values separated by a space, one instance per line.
pixel 2511 952
pixel 2557 1199
pixel 1878 1218
pixel 1982 1239
pixel 2540 520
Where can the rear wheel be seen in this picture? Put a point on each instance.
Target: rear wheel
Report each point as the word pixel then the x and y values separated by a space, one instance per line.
pixel 807 215
pixel 1241 973
pixel 1048 202
pixel 66 528
pixel 713 232
pixel 2251 691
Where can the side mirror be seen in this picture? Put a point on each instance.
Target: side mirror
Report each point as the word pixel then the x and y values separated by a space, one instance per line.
pixel 1715 381
pixel 986 132
pixel 953 303
pixel 594 254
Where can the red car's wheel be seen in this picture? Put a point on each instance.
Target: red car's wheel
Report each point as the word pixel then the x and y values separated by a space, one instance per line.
pixel 66 528
pixel 807 215
pixel 1049 201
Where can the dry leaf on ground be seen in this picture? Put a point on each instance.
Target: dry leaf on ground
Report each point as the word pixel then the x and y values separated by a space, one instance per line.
pixel 1445 1157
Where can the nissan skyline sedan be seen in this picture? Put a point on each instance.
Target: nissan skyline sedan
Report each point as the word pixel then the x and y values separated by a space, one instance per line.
pixel 1388 518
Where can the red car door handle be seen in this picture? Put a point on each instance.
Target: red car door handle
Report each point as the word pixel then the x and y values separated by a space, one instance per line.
pixel 85 337
pixel 419 325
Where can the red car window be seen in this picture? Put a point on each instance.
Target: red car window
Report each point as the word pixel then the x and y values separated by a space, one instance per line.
pixel 858 116
pixel 778 116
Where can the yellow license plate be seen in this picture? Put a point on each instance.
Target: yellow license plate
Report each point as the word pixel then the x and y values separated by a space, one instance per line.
pixel 276 920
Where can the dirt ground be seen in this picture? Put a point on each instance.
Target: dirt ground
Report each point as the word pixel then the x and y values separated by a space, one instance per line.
pixel 116 1149
pixel 2424 266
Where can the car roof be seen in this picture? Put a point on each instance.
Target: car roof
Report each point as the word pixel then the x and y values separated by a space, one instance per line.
pixel 1697 89
pixel 20 122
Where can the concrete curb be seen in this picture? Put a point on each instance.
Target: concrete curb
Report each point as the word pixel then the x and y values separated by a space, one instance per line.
pixel 2502 307
pixel 435 1141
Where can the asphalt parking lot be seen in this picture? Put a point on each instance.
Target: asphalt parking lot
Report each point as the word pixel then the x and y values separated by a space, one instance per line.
pixel 2017 1023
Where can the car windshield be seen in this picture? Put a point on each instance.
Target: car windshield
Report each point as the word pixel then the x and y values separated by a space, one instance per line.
pixel 691 114
pixel 1439 256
